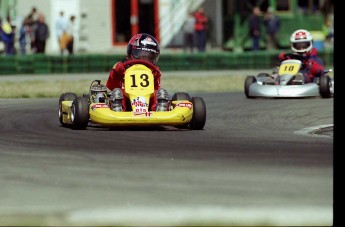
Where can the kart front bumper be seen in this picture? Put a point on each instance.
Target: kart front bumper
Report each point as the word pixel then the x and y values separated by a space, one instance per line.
pixel 291 91
pixel 104 116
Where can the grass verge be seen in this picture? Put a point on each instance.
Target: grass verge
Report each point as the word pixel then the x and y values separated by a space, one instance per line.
pixel 54 86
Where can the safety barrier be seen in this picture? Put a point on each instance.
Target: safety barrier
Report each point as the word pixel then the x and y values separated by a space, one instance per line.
pixel 47 64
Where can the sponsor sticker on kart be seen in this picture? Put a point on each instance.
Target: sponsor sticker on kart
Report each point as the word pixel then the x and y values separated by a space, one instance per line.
pixel 146 114
pixel 100 105
pixel 140 106
pixel 184 104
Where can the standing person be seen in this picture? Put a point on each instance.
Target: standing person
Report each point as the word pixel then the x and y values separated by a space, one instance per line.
pixel 254 27
pixel 24 29
pixel 41 34
pixel 272 24
pixel 30 20
pixel 71 33
pixel 140 46
pixel 189 32
pixel 302 44
pixel 61 25
pixel 2 46
pixel 200 29
pixel 8 36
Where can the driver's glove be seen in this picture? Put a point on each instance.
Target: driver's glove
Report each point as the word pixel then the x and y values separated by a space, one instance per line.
pixel 316 69
pixel 282 56
pixel 119 68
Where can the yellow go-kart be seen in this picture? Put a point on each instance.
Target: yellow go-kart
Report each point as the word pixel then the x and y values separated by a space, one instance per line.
pixel 184 112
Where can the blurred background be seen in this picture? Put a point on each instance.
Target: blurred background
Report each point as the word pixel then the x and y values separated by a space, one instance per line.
pixel 105 26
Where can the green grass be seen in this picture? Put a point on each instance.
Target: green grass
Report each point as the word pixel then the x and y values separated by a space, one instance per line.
pixel 41 89
pixel 50 86
pixel 45 88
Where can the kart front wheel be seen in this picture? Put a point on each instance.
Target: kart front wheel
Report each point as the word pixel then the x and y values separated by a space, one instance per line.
pixel 325 86
pixel 249 81
pixel 68 96
pixel 80 113
pixel 199 114
pixel 180 96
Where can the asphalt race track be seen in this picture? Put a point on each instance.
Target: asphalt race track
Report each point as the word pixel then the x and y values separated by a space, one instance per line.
pixel 255 163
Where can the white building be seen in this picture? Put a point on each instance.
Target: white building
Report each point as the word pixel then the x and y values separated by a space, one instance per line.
pixel 105 26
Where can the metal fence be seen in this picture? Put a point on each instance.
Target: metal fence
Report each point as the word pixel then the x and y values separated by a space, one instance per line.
pixel 45 64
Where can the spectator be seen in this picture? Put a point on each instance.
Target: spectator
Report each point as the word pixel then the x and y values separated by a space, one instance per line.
pixel 272 24
pixel 189 32
pixel 71 34
pixel 8 36
pixel 254 27
pixel 201 29
pixel 61 28
pixel 24 29
pixel 41 34
pixel 2 46
pixel 30 20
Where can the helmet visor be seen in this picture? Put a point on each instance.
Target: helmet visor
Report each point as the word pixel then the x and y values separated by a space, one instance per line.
pixel 301 45
pixel 146 55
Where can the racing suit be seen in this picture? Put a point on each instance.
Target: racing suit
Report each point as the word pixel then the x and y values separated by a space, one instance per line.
pixel 312 66
pixel 115 80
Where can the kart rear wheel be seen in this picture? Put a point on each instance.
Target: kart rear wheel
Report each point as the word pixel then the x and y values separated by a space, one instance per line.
pixel 325 86
pixel 80 113
pixel 180 96
pixel 199 114
pixel 68 96
pixel 249 81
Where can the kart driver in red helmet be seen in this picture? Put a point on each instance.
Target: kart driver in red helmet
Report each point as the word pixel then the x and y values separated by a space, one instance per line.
pixel 141 46
pixel 302 44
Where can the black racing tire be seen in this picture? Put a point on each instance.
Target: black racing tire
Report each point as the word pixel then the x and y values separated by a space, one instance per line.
pixel 80 113
pixel 87 96
pixel 325 86
pixel 180 96
pixel 199 114
pixel 68 96
pixel 249 81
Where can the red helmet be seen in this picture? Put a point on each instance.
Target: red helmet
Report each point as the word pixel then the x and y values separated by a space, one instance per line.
pixel 143 46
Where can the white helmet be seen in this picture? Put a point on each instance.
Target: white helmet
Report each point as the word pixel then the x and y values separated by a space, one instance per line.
pixel 301 41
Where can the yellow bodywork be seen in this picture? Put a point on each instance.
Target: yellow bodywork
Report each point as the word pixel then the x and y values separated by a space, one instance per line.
pixel 139 87
pixel 107 117
pixel 289 67
pixel 100 113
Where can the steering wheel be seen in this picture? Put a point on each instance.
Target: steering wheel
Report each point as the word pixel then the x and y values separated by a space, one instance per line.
pixel 295 56
pixel 140 61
